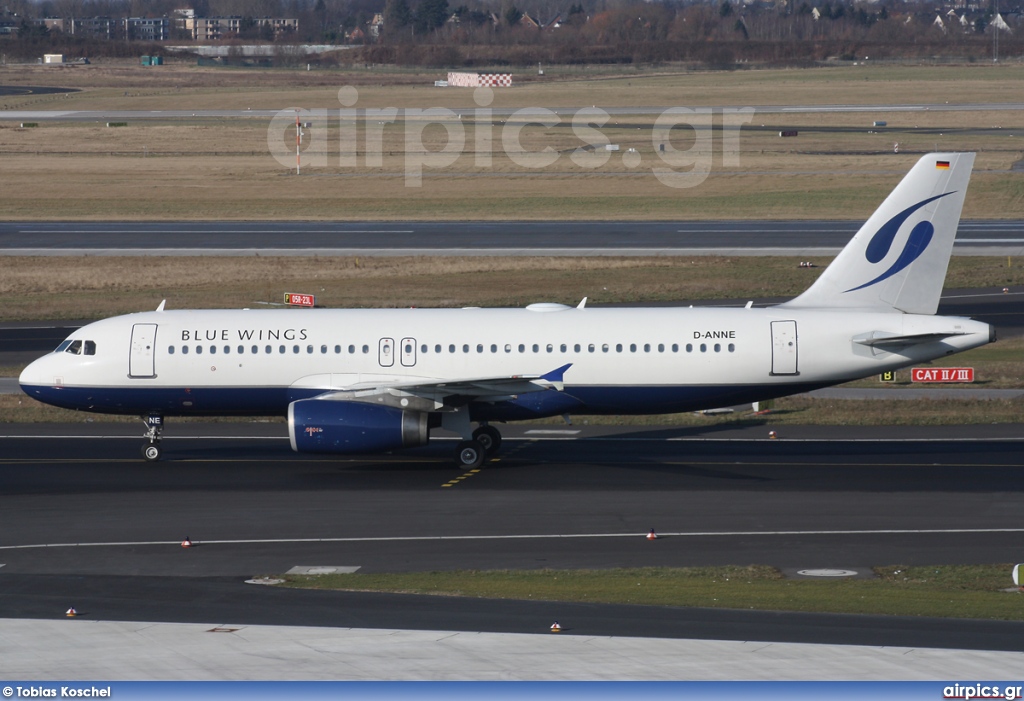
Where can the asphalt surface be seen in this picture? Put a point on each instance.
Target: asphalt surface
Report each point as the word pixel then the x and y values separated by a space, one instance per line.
pixel 84 519
pixel 842 498
pixel 523 113
pixel 468 238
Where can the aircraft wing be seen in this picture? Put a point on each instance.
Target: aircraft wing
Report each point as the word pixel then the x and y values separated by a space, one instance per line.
pixel 496 388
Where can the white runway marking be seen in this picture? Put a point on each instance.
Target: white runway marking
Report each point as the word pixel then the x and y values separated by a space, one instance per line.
pixel 539 536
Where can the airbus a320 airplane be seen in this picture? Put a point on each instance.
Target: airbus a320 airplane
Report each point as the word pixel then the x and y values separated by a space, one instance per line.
pixel 359 381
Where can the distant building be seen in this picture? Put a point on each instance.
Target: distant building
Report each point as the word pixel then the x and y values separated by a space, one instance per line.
pixel 52 24
pixel 215 28
pixel 147 29
pixel 101 27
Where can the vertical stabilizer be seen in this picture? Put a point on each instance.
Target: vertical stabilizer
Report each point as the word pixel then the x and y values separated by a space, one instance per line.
pixel 899 257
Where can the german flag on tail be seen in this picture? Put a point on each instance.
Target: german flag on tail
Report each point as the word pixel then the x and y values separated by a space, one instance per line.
pixel 942 165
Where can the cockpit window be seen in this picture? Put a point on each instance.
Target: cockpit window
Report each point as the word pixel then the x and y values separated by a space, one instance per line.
pixel 77 347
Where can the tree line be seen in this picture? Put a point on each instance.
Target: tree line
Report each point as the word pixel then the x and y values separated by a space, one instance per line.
pixel 508 32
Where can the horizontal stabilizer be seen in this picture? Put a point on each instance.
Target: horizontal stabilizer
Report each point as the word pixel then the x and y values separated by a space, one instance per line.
pixel 906 340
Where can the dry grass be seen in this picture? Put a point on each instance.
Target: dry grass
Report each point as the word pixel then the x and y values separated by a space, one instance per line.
pixel 106 84
pixel 839 167
pixel 93 287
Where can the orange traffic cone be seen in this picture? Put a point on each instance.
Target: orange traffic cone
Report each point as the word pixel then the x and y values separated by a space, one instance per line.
pixel 186 543
pixel 555 628
pixel 71 613
pixel 652 535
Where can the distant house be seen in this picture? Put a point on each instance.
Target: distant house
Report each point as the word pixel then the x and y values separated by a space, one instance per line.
pixel 376 25
pixel 527 21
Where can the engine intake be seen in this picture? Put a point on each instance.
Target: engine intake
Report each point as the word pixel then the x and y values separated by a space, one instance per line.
pixel 327 426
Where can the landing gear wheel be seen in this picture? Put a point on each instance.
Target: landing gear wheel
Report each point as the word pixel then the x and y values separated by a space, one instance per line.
pixel 469 455
pixel 151 452
pixel 489 437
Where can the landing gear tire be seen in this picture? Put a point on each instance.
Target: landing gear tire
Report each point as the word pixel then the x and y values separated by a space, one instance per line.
pixel 151 452
pixel 489 437
pixel 470 455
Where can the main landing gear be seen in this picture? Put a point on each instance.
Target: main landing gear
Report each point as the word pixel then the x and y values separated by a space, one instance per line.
pixel 471 454
pixel 151 448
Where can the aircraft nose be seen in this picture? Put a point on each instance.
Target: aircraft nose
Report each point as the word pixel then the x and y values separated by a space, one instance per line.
pixel 36 374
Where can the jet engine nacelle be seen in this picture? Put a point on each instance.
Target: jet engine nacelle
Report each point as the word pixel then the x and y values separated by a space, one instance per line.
pixel 328 426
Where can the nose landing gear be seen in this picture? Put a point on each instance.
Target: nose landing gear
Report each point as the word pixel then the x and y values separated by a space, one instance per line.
pixel 151 448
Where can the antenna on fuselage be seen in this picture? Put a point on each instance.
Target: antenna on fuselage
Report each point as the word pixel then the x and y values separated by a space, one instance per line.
pixel 161 307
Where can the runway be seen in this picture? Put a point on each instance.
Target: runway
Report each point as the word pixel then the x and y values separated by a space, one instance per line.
pixel 85 519
pixel 810 238
pixel 84 522
pixel 521 113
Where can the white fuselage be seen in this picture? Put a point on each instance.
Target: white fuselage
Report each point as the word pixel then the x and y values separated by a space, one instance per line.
pixel 623 360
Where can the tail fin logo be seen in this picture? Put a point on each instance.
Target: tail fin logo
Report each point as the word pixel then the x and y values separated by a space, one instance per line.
pixel 880 244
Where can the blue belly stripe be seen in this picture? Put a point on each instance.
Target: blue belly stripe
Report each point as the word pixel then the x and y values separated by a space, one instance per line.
pixel 274 401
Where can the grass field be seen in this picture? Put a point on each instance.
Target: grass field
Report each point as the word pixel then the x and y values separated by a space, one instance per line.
pixel 94 287
pixel 839 166
pixel 977 591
